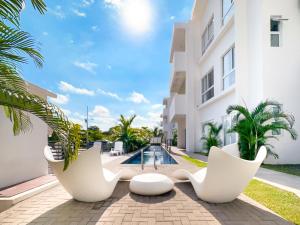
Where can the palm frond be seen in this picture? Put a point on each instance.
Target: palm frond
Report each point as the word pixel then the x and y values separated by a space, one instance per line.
pixel 15 45
pixel 10 9
pixel 48 113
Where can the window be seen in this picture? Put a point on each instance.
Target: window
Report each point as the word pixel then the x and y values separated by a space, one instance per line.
pixel 228 69
pixel 226 9
pixel 229 138
pixel 275 27
pixel 208 35
pixel 207 83
pixel 276 109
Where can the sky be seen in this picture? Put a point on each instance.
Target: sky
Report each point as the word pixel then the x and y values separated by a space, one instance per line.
pixel 109 55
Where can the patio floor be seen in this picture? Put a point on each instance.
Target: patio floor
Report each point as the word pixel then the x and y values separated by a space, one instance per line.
pixel 180 206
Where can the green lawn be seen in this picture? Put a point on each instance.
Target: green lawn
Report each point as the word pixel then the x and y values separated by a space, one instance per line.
pixel 290 169
pixel 284 203
pixel 197 162
pixel 202 153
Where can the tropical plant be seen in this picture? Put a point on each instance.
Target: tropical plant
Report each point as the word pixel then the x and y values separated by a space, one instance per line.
pixel 212 138
pixel 157 132
pixel 126 133
pixel 15 47
pixel 174 138
pixel 257 127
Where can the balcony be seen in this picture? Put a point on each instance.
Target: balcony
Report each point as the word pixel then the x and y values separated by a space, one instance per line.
pixel 178 73
pixel 165 113
pixel 177 108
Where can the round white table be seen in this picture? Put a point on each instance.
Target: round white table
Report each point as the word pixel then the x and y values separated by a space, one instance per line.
pixel 151 184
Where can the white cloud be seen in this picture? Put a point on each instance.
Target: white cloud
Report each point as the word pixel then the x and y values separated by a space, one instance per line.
pixel 172 17
pixel 100 111
pixel 157 106
pixel 87 3
pixel 95 28
pixel 88 66
pixel 138 98
pixel 57 12
pixel 110 94
pixel 69 88
pixel 101 117
pixel 60 99
pixel 113 3
pixel 79 13
pixel 151 120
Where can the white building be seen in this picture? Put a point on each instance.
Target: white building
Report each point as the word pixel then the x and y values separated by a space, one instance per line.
pixel 22 156
pixel 235 52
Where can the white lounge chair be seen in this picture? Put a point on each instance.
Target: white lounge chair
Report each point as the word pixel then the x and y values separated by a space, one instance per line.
pixel 117 149
pixel 226 175
pixel 85 179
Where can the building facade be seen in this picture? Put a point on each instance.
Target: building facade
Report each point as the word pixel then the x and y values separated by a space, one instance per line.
pixel 235 52
pixel 22 156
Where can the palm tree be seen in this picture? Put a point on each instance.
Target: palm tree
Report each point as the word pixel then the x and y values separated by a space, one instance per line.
pixel 157 132
pixel 15 47
pixel 126 134
pixel 212 137
pixel 255 128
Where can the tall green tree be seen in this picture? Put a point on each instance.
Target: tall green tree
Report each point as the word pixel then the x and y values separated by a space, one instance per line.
pixel 257 127
pixel 212 138
pixel 126 133
pixel 157 132
pixel 16 47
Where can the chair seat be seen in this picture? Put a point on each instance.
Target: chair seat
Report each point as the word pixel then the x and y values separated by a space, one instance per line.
pixel 151 184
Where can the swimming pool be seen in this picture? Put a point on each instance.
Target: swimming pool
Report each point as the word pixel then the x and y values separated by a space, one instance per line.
pixel 160 154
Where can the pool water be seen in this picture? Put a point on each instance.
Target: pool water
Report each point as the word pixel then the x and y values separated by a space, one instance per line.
pixel 158 153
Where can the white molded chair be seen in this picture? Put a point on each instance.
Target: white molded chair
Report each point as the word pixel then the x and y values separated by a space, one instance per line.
pixel 85 179
pixel 117 149
pixel 226 175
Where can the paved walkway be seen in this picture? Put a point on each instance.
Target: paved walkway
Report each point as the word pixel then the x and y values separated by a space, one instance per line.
pixel 281 180
pixel 180 206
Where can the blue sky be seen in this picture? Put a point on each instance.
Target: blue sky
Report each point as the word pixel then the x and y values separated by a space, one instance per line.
pixel 111 55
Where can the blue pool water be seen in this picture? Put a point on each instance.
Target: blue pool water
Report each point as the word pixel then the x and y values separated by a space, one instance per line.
pixel 161 157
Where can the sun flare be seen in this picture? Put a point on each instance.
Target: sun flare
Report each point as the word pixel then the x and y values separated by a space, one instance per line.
pixel 137 16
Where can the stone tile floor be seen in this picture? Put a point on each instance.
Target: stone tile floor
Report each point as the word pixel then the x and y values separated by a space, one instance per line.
pixel 180 206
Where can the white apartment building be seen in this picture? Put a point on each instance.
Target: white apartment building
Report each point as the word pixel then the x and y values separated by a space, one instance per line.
pixel 234 52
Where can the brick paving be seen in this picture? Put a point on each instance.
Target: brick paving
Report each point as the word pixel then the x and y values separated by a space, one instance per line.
pixel 179 207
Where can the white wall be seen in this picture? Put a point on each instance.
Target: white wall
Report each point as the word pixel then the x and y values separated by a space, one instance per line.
pixel 21 157
pixel 215 108
pixel 281 70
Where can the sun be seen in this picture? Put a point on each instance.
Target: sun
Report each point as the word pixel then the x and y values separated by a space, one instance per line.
pixel 137 16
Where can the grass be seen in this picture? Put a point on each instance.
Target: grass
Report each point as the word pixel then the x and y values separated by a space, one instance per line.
pixel 197 162
pixel 202 153
pixel 290 169
pixel 284 203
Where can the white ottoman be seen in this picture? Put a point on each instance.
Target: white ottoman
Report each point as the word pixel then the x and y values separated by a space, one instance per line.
pixel 151 184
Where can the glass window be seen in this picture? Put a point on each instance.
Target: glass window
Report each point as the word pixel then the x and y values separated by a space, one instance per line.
pixel 229 138
pixel 208 35
pixel 207 84
pixel 275 25
pixel 228 69
pixel 226 9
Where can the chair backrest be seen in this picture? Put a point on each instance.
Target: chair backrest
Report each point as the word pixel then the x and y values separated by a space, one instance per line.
pixel 118 146
pixel 228 175
pixel 232 149
pixel 81 173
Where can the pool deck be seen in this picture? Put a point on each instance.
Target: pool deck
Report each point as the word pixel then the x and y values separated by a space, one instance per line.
pixel 180 206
